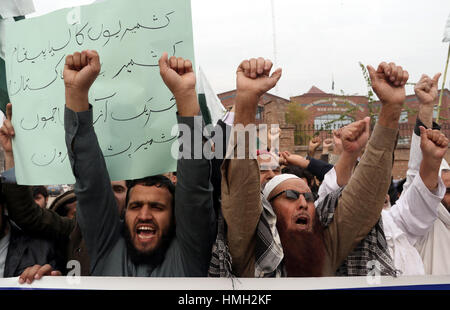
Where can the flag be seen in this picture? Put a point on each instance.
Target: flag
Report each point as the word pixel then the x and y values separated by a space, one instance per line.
pixel 447 31
pixel 210 105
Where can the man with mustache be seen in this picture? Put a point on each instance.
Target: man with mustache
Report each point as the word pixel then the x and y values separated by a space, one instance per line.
pixel 277 238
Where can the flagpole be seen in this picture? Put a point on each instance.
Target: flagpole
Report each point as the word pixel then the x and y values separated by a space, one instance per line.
pixel 443 86
pixel 274 39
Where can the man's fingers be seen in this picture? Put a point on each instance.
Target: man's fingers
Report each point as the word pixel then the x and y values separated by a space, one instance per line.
pixel 267 67
pixel 9 111
pixel 77 61
pixel 260 65
pixel 276 76
pixel 163 62
pixel 56 273
pixel 435 80
pixel 394 72
pixel 173 63
pixel 69 62
pixel 180 66
pixel 245 65
pixel 93 59
pixel 384 68
pixel 372 73
pixel 188 66
pixel 253 65
pixel 405 78
pixel 9 128
pixel 83 59
pixel 43 271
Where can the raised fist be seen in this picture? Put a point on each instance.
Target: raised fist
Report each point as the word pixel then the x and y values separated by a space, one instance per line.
pixel 178 75
pixel 327 143
pixel 253 76
pixel 81 70
pixel 354 136
pixel 433 143
pixel 427 89
pixel 388 82
pixel 286 158
pixel 314 144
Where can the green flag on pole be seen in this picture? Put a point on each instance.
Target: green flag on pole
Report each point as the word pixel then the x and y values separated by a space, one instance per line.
pixel 210 105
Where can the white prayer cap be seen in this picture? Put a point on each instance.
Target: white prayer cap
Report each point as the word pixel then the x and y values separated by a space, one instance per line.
pixel 275 181
pixel 444 166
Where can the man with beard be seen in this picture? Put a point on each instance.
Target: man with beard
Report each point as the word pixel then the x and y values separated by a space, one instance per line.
pixel 282 236
pixel 149 244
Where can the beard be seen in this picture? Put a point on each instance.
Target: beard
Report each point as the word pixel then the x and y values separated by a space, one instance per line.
pixel 304 251
pixel 153 257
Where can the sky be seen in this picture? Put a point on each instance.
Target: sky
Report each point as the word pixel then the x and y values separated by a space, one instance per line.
pixel 313 41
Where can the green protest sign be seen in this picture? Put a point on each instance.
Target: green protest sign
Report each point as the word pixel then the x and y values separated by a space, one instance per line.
pixel 134 112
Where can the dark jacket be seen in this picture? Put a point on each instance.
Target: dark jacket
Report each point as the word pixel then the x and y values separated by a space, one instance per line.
pixel 25 251
pixel 47 224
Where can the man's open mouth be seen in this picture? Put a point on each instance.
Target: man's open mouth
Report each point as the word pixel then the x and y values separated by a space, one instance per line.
pixel 302 221
pixel 145 232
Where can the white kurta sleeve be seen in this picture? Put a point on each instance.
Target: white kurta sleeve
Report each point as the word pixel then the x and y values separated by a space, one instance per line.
pixel 328 185
pixel 417 208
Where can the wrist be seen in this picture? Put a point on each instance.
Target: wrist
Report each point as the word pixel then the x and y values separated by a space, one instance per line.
pixel 246 103
pixel 77 100
pixel 390 115
pixel 187 103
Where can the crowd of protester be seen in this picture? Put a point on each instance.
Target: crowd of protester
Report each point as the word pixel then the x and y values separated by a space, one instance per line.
pixel 269 213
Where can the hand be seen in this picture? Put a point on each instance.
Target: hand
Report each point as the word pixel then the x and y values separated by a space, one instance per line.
pixel 427 89
pixel 327 143
pixel 355 136
pixel 388 82
pixel 36 272
pixel 337 141
pixel 179 77
pixel 81 70
pixel 433 144
pixel 253 77
pixel 286 158
pixel 314 144
pixel 177 74
pixel 7 131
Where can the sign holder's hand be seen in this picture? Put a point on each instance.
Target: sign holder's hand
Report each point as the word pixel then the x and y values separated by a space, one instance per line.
pixel 7 133
pixel 80 72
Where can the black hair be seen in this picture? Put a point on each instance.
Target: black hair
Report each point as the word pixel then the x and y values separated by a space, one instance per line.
pixel 40 190
pixel 156 180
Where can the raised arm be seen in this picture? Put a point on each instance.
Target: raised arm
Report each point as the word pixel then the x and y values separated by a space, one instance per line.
pixel 20 203
pixel 194 215
pixel 241 188
pixel 426 92
pixel 359 207
pixel 417 209
pixel 97 212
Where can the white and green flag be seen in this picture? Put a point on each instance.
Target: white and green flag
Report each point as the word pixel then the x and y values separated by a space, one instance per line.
pixel 210 105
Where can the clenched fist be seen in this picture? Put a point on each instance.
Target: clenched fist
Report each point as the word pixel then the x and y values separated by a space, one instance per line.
pixel 354 136
pixel 81 70
pixel 253 76
pixel 433 143
pixel 427 89
pixel 388 82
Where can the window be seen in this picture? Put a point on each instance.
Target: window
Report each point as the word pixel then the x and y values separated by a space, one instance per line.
pixel 331 121
pixel 259 113
pixel 403 117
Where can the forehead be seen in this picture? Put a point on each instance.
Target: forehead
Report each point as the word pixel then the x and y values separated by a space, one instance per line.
pixel 150 193
pixel 297 184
